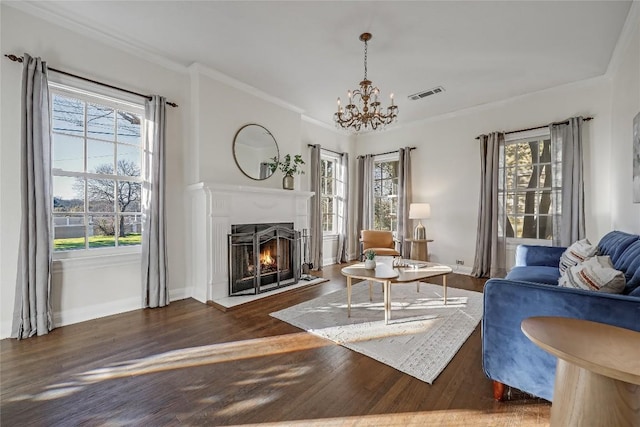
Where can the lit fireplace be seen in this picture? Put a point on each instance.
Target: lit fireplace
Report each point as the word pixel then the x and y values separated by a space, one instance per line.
pixel 263 257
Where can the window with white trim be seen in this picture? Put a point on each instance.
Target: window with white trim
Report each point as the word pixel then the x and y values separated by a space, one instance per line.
pixel 328 193
pixel 385 194
pixel 527 189
pixel 97 162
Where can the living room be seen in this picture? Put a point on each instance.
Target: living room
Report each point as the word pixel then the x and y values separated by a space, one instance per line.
pixel 212 106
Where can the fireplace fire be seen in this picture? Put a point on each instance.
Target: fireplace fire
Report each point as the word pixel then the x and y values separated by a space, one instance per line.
pixel 263 257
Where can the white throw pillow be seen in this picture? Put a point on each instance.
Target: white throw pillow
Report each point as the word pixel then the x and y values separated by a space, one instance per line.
pixel 577 253
pixel 594 274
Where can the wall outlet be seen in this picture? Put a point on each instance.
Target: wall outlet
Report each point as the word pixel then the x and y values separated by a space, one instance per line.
pixel 459 262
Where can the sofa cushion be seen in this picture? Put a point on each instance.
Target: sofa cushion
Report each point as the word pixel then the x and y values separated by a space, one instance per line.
pixel 629 264
pixel 576 253
pixel 527 255
pixel 615 243
pixel 595 274
pixel 536 274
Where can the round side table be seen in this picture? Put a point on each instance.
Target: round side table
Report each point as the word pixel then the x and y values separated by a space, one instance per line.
pixel 419 249
pixel 598 372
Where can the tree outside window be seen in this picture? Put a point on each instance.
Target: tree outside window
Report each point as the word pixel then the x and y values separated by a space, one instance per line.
pixel 96 174
pixel 385 193
pixel 328 195
pixel 528 190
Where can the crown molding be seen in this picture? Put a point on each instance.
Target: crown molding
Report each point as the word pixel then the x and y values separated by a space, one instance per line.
pixel 45 11
pixel 631 25
pixel 205 70
pixel 499 103
pixel 325 125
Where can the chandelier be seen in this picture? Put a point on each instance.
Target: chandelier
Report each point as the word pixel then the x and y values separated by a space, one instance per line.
pixel 368 115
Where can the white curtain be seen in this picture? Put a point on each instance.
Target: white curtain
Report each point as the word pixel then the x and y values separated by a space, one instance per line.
pixel 404 195
pixel 567 175
pixel 32 308
pixel 490 258
pixel 342 208
pixel 315 238
pixel 154 235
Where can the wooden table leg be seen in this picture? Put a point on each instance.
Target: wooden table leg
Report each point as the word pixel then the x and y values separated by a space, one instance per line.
pixel 349 296
pixel 444 287
pixel 387 302
pixel 584 398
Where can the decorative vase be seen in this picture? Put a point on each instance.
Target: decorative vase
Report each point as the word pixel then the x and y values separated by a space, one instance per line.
pixel 370 264
pixel 287 182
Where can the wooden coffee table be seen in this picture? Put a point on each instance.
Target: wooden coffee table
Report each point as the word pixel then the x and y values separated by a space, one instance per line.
pixel 387 275
pixel 598 371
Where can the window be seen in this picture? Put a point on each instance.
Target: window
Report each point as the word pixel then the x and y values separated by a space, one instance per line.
pixel 385 193
pixel 527 188
pixel 96 171
pixel 328 194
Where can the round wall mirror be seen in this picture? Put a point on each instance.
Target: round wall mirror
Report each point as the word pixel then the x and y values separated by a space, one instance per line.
pixel 253 149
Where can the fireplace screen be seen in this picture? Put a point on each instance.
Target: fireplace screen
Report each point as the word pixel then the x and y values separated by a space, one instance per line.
pixel 263 257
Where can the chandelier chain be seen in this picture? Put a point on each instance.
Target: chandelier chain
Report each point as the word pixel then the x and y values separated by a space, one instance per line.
pixel 365 60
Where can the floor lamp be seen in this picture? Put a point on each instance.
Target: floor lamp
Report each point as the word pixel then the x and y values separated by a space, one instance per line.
pixel 419 211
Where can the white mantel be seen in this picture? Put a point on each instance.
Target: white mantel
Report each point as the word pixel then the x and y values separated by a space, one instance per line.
pixel 214 209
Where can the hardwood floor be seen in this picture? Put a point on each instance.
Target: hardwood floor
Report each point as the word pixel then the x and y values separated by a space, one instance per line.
pixel 191 364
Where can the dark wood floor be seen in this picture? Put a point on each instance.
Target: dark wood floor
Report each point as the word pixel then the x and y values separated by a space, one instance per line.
pixel 191 364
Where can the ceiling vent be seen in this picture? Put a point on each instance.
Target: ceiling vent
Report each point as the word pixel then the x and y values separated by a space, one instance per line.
pixel 426 93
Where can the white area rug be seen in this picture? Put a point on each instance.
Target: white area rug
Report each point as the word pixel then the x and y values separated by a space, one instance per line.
pixel 421 338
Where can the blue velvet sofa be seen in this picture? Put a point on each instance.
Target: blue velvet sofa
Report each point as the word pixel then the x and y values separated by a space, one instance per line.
pixel 530 289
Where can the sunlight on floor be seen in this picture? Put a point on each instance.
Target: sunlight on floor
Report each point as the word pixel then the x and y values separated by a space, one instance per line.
pixel 191 357
pixel 527 417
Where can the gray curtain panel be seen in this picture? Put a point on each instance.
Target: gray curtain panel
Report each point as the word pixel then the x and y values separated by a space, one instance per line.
pixel 404 195
pixel 490 258
pixel 567 174
pixel 364 210
pixel 342 208
pixel 32 309
pixel 315 231
pixel 154 236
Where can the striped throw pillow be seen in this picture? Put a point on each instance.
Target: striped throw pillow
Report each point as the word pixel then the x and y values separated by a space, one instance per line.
pixel 576 253
pixel 594 274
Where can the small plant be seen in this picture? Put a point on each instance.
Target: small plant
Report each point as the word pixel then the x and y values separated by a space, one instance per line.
pixel 370 254
pixel 288 166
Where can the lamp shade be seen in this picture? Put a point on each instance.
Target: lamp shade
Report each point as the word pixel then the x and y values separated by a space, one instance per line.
pixel 419 210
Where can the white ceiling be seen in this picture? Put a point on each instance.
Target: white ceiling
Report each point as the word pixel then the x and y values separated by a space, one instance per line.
pixel 307 53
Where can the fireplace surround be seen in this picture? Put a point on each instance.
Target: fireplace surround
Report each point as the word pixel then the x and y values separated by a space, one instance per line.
pixel 214 209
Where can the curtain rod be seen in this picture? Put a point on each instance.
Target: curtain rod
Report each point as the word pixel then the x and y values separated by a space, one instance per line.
pixel 15 58
pixel 586 119
pixel 326 149
pixel 389 152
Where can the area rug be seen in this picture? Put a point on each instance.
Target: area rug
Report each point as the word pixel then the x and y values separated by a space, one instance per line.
pixel 421 338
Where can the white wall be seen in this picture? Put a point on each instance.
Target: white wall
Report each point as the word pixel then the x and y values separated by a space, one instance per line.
pixel 219 110
pixel 625 104
pixel 87 289
pixel 446 163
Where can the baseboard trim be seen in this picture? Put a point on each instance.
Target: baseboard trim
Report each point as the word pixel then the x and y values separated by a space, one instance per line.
pixel 461 269
pixel 96 311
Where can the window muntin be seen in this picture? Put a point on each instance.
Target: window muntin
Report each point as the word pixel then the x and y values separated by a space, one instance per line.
pixel 385 194
pixel 328 195
pixel 96 171
pixel 528 192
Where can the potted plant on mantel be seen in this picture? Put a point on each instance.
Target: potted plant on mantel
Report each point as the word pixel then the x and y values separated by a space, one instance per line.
pixel 289 167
